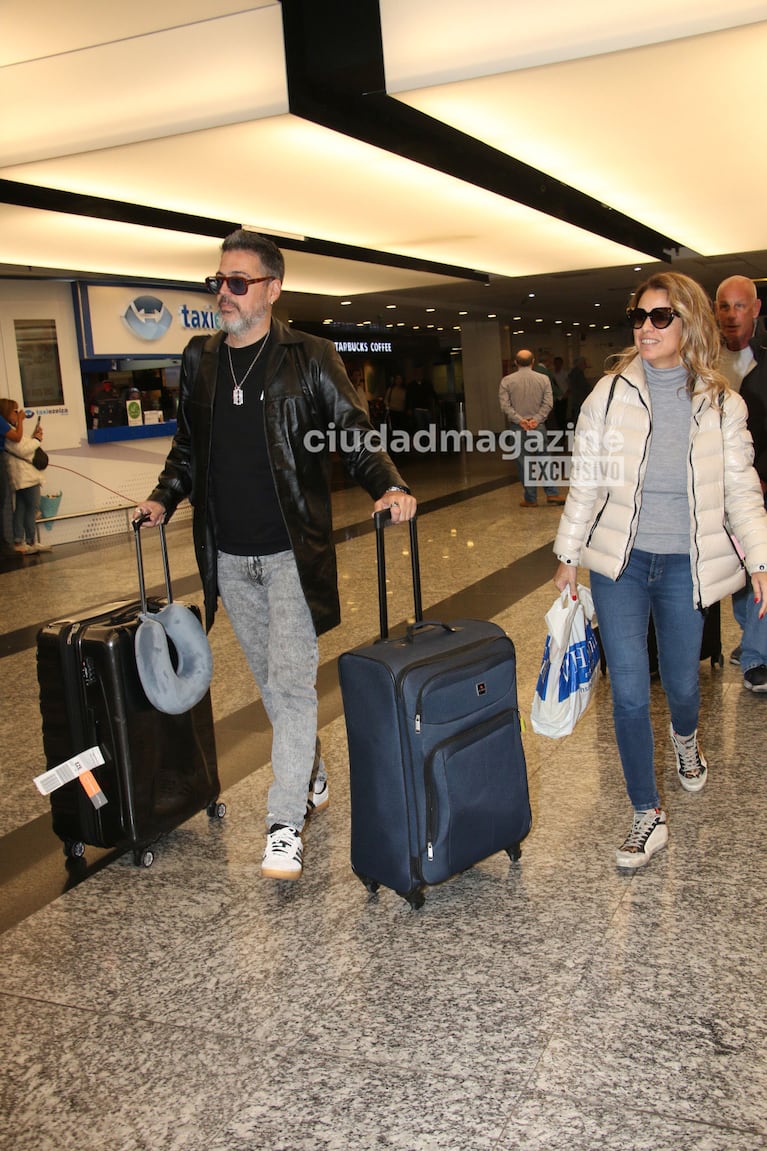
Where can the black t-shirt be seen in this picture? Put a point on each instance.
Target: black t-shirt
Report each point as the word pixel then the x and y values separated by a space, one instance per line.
pixel 247 513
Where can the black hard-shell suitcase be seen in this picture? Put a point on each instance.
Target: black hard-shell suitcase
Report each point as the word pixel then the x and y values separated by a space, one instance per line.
pixel 159 769
pixel 438 775
pixel 710 644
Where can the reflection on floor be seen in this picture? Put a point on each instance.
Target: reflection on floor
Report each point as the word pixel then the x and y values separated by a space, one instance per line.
pixel 554 1003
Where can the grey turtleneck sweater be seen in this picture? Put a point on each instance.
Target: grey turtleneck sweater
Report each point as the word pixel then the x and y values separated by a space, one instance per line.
pixel 664 519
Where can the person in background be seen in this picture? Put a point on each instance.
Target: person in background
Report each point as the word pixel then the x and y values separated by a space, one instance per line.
pixel 744 363
pixel 396 404
pixel 25 481
pixel 561 401
pixel 251 452
pixel 10 433
pixel 357 377
pixel 543 365
pixel 421 401
pixel 579 386
pixel 661 478
pixel 526 400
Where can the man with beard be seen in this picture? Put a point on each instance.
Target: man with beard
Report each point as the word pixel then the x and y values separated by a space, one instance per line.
pixel 251 453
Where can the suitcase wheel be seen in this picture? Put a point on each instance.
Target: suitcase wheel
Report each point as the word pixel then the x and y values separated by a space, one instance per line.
pixel 514 852
pixel 216 809
pixel 74 848
pixel 144 857
pixel 415 898
pixel 370 885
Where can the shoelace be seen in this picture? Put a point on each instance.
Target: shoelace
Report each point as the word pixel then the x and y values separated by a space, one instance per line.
pixel 281 844
pixel 641 829
pixel 689 757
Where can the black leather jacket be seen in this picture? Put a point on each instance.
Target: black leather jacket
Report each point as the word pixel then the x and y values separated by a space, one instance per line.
pixel 306 389
pixel 754 392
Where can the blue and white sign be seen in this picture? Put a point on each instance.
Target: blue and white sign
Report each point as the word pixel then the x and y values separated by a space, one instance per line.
pixel 128 320
pixel 148 318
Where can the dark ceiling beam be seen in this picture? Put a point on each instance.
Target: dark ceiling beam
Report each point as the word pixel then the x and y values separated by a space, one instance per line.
pixel 335 67
pixel 101 208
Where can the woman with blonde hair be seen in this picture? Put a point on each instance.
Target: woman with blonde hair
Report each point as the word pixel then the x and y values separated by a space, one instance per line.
pixel 661 483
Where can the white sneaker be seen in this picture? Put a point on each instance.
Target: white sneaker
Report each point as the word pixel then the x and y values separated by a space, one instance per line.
pixel 648 834
pixel 691 765
pixel 284 853
pixel 319 796
pixel 25 549
pixel 42 547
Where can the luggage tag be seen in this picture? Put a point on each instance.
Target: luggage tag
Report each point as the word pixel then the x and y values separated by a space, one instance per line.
pixel 78 767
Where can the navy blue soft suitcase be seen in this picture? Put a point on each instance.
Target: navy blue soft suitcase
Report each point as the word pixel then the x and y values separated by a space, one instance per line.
pixel 438 776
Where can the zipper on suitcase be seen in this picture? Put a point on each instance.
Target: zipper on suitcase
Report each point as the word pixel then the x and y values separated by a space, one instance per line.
pixel 435 659
pixel 460 670
pixel 468 735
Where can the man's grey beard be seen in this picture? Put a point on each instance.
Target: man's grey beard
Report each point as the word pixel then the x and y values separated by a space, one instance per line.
pixel 242 324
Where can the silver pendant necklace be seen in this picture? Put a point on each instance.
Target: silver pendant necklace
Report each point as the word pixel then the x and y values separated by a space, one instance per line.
pixel 238 396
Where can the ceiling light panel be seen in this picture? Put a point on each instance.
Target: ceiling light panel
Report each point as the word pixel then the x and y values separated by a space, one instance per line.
pixel 671 181
pixel 144 87
pixel 84 246
pixel 370 198
pixel 434 41
pixel 32 31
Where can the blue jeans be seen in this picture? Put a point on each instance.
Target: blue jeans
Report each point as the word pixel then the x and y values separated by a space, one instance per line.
pixel 532 447
pixel 740 604
pixel 754 642
pixel 265 602
pixel 26 502
pixel 661 584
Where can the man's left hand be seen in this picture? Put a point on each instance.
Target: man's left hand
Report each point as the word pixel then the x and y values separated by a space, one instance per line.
pixel 403 506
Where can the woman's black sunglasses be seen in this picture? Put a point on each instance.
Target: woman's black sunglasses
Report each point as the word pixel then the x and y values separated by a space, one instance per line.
pixel 238 285
pixel 659 317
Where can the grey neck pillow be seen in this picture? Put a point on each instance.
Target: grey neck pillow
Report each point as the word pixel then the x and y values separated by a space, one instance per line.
pixel 173 690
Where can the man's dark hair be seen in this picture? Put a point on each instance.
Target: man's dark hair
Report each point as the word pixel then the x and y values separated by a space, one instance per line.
pixel 266 250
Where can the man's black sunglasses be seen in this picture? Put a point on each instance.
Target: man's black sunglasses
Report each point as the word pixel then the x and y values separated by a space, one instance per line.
pixel 659 317
pixel 238 285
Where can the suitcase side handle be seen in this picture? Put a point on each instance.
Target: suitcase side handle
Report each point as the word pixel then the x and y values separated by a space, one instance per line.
pixel 380 520
pixel 136 524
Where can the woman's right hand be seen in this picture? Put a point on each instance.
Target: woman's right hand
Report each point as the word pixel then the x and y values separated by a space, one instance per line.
pixel 566 577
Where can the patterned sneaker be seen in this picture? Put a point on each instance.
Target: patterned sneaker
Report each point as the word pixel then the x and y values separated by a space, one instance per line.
pixel 283 857
pixel 319 796
pixel 691 765
pixel 648 833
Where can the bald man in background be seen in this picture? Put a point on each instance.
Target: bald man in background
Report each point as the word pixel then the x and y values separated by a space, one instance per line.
pixel 744 363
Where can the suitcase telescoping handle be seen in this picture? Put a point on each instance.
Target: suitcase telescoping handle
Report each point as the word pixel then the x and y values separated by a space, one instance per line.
pixel 139 520
pixel 381 519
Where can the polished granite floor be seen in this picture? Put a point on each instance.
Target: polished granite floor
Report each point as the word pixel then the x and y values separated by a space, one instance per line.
pixel 554 1003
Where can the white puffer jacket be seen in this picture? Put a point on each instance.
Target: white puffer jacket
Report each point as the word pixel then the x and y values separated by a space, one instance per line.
pixel 612 438
pixel 18 461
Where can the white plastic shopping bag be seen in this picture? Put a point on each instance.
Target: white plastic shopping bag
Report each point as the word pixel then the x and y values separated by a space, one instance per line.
pixel 570 665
